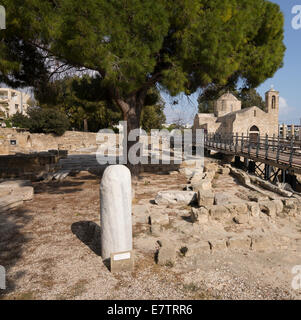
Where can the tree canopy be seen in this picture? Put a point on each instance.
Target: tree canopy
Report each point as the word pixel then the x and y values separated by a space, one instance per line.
pixel 78 98
pixel 42 120
pixel 132 45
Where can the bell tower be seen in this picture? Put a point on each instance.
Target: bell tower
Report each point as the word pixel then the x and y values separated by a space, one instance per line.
pixel 272 106
pixel 272 101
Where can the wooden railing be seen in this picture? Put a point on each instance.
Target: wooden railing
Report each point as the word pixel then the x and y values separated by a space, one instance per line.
pixel 269 148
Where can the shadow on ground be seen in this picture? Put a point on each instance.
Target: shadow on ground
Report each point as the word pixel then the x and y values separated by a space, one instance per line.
pixel 58 187
pixel 88 232
pixel 12 241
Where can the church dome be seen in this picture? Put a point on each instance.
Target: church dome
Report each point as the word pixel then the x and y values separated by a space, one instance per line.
pixel 228 96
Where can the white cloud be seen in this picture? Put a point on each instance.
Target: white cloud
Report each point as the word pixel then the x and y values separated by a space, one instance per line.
pixel 287 113
pixel 283 106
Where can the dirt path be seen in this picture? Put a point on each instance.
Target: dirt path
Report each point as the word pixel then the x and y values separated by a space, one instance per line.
pixel 50 250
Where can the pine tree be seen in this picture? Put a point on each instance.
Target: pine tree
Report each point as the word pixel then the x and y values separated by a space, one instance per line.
pixel 134 45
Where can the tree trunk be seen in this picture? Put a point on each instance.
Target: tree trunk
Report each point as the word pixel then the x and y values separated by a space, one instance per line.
pixel 85 125
pixel 133 122
pixel 131 108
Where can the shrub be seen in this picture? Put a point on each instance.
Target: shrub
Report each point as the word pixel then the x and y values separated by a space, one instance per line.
pixel 41 120
pixel 20 121
pixel 48 121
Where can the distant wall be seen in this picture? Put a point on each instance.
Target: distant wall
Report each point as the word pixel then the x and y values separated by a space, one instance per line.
pixel 15 140
pixel 30 166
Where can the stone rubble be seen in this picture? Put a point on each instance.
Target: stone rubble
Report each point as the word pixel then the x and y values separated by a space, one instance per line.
pixel 14 192
pixel 215 210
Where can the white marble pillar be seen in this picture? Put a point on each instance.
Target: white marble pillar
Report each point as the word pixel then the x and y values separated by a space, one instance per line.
pixel 116 210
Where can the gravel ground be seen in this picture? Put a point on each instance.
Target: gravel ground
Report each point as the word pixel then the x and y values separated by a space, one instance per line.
pixel 50 250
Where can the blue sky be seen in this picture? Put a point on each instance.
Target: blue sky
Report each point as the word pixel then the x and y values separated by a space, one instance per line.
pixel 287 80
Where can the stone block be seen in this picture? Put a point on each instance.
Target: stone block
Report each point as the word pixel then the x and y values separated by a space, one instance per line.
pixel 166 256
pixel 253 208
pixel 159 218
pixel 269 208
pixel 219 213
pixel 239 208
pixel 205 198
pixel 176 197
pixel 199 215
pixel 196 249
pixel 279 206
pixel 224 171
pixel 222 198
pixel 203 185
pixel 187 172
pixel 290 206
pixel 10 202
pixel 210 167
pixel 122 261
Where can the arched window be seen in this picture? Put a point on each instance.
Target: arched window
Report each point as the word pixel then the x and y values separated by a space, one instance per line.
pixel 273 102
pixel 255 113
pixel 254 129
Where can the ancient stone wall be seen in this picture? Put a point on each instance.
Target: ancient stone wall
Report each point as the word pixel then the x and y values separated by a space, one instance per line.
pixel 30 166
pixel 15 140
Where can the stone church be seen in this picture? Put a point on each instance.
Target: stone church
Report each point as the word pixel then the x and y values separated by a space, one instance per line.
pixel 229 117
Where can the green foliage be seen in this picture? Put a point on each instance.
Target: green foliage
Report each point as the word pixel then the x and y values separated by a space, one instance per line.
pixel 251 98
pixel 205 106
pixel 80 100
pixel 20 121
pixel 152 117
pixel 48 121
pixel 41 120
pixel 8 123
pixel 133 45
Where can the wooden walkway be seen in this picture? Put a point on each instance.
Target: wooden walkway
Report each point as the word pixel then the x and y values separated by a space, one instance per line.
pixel 276 152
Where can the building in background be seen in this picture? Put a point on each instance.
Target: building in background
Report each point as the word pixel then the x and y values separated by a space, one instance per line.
pixel 229 118
pixel 289 131
pixel 12 101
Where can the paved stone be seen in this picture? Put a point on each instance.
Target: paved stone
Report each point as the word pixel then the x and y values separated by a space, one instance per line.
pixel 176 197
pixel 205 198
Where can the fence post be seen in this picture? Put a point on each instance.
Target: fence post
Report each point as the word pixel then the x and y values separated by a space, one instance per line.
pixel 249 145
pixel 278 150
pixel 242 143
pixel 236 143
pixel 266 146
pixel 291 152
pixel 258 145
